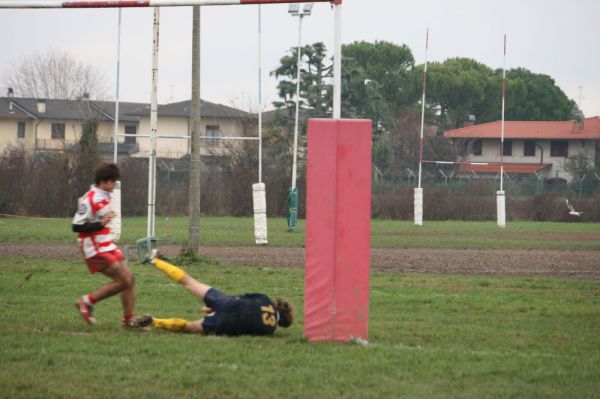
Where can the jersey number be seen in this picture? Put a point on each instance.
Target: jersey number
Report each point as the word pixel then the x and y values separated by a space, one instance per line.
pixel 268 316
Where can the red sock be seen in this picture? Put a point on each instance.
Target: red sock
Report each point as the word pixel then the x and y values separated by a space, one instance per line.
pixel 128 317
pixel 89 299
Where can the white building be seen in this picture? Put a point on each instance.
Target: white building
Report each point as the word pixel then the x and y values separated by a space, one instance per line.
pixel 530 147
pixel 56 125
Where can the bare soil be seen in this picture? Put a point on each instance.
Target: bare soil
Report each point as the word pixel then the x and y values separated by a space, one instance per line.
pixel 525 263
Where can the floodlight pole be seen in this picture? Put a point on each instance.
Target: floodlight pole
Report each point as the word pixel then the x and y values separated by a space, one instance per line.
pixel 298 76
pixel 293 192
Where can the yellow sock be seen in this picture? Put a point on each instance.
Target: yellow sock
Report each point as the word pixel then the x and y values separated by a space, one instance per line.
pixel 174 273
pixel 170 324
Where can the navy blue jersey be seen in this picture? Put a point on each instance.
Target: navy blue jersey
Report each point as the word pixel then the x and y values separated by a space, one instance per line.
pixel 248 314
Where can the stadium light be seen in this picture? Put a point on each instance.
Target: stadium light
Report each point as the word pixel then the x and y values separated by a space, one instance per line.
pixel 294 8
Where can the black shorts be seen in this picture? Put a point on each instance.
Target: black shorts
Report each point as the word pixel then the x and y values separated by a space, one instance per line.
pixel 215 300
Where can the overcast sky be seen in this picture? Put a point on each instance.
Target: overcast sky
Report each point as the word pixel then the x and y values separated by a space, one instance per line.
pixel 555 37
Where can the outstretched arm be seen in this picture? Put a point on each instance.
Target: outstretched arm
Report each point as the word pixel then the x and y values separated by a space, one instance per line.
pixel 93 226
pixel 87 227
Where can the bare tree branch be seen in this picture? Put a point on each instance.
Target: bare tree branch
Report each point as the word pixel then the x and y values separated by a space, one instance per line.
pixel 55 75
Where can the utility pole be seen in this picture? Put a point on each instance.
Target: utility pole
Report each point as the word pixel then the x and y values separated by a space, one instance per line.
pixel 193 244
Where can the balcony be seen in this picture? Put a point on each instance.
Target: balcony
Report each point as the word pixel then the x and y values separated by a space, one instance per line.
pixel 54 144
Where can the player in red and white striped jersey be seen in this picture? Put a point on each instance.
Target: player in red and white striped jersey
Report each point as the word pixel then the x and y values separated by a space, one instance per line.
pixel 101 254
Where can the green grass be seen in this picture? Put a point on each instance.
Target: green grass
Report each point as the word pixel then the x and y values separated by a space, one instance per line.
pixel 430 337
pixel 385 233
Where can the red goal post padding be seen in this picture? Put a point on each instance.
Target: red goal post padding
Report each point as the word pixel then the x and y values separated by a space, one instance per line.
pixel 338 230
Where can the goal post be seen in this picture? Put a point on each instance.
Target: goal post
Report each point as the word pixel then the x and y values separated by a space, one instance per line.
pixel 141 3
pixel 47 4
pixel 115 207
pixel 338 230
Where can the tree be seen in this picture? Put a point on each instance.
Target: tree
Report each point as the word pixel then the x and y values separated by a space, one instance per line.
pixel 86 156
pixel 405 141
pixel 538 98
pixel 459 87
pixel 56 75
pixel 315 80
pixel 363 97
pixel 581 167
pixel 378 80
pixel 456 87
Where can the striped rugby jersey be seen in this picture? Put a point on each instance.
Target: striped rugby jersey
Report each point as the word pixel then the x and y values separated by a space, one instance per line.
pixel 91 207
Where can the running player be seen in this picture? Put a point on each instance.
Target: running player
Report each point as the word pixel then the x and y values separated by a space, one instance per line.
pixel 249 314
pixel 101 254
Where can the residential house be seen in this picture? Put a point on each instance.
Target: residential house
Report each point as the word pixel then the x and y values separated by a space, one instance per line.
pixel 530 147
pixel 56 125
pixel 217 122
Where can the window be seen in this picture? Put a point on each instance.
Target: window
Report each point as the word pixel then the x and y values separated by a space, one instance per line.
pixel 477 147
pixel 529 148
pixel 58 131
pixel 507 150
pixel 130 130
pixel 213 131
pixel 559 149
pixel 21 130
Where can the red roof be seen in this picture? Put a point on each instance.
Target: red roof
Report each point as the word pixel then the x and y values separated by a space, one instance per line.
pixel 508 168
pixel 531 130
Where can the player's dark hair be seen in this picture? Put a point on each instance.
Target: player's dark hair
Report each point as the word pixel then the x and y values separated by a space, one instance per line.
pixel 107 172
pixel 286 312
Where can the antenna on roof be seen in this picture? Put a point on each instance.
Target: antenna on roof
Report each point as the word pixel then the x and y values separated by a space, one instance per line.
pixel 577 114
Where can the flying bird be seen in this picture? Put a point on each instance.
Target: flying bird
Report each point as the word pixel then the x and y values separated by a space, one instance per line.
pixel 572 210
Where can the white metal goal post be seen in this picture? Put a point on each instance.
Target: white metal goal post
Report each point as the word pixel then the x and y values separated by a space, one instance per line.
pixel 259 188
pixel 141 3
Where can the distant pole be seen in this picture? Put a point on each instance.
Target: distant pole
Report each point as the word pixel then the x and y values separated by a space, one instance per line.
pixel 299 11
pixel 418 194
pixel 259 196
pixel 423 107
pixel 298 64
pixel 503 110
pixel 260 104
pixel 153 126
pixel 337 60
pixel 115 140
pixel 193 244
pixel 501 195
pixel 115 223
